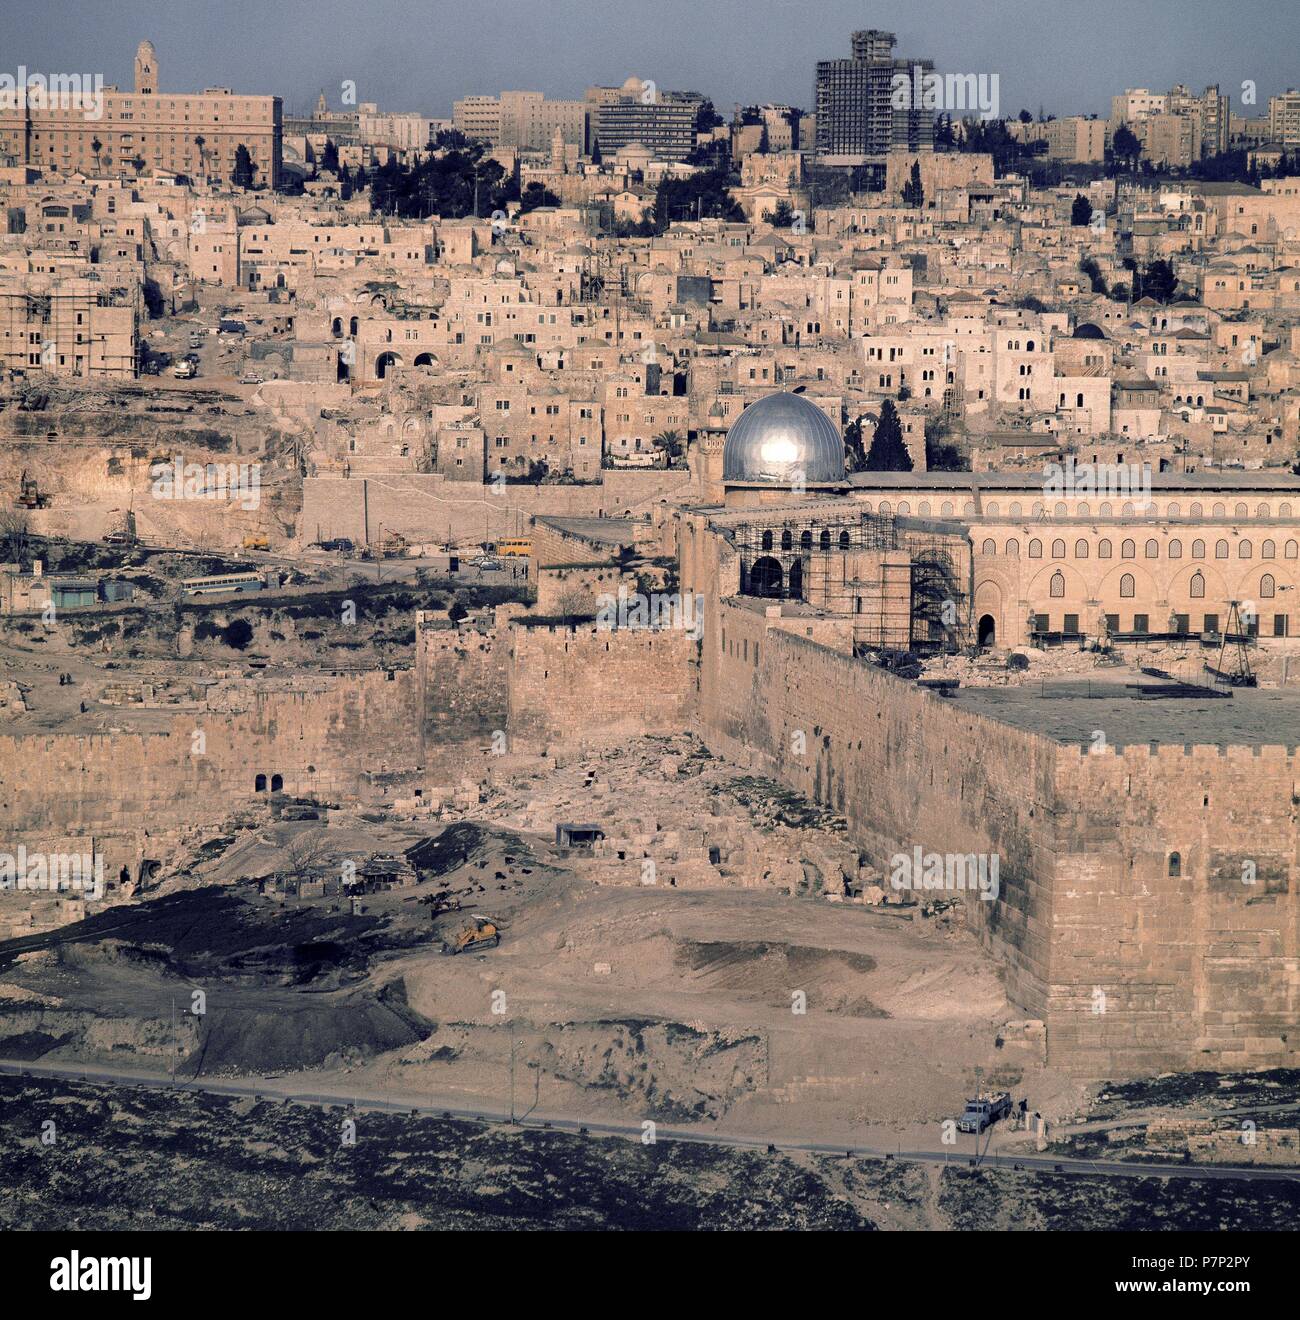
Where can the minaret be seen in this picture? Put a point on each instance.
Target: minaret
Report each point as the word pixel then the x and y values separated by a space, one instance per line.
pixel 146 69
pixel 557 150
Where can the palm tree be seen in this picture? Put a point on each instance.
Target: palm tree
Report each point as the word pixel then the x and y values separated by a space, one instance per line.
pixel 96 146
pixel 671 443
pixel 201 142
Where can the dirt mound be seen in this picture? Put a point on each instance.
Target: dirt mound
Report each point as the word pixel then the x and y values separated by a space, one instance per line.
pixel 456 845
pixel 309 1032
pixel 833 979
pixel 671 1072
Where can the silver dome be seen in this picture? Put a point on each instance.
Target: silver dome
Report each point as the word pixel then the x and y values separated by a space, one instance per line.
pixel 779 439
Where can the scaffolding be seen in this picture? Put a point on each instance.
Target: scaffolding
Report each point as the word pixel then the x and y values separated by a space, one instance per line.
pixel 922 602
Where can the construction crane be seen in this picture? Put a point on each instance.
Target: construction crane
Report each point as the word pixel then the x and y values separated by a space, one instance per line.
pixel 29 493
pixel 1234 634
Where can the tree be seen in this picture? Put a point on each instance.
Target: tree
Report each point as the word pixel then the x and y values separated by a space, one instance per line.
pixel 202 143
pixel 15 533
pixel 536 195
pixel 888 453
pixel 1125 146
pixel 329 158
pixel 782 217
pixel 671 443
pixel 913 192
pixel 1160 281
pixel 243 174
pixel 1081 211
pixel 941 455
pixel 96 146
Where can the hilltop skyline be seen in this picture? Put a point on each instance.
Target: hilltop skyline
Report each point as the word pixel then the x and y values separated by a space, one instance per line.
pixel 423 56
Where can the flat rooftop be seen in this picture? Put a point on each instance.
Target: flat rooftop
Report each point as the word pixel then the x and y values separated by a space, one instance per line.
pixel 1069 711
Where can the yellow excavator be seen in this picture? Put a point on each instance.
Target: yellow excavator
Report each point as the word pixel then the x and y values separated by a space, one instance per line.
pixel 480 933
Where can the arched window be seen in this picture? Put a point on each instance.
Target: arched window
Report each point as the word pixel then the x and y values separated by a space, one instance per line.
pixel 277 783
pixel 992 508
pixel 1284 510
pixel 1081 549
pixel 1290 551
pixel 1037 511
pixel 1062 510
pixel 1267 587
pixel 1175 549
pixel 787 540
pixel 1268 550
pixel 1105 510
pixel 1245 550
pixel 1173 511
pixel 1198 549
pixel 767 539
pixel 945 509
pixel 989 548
pixel 924 509
pixel 1015 509
pixel 885 506
pixel 1058 583
pixel 1126 511
pixel 1220 549
pixel 1083 508
pixel 805 540
pixel 904 507
pixel 824 540
pixel 259 784
pixel 1196 588
pixel 1128 550
pixel 844 540
pixel 1103 548
pixel 1196 510
pixel 1058 549
pixel 1242 511
pixel 1035 549
pixel 1013 547
pixel 1127 585
pixel 1261 511
pixel 1175 865
pixel 1220 510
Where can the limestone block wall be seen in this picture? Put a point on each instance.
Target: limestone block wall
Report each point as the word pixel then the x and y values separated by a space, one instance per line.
pixel 582 685
pixel 463 677
pixel 126 789
pixel 1176 923
pixel 905 768
pixel 422 506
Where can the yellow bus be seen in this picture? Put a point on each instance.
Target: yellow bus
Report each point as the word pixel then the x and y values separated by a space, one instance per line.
pixel 516 548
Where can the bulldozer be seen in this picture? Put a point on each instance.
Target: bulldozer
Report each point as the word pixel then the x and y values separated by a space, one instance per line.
pixel 481 933
pixel 255 542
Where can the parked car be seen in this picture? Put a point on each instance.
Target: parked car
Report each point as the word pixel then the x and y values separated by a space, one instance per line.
pixel 488 565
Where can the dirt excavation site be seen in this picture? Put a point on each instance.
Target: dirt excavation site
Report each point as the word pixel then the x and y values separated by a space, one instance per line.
pixel 718 957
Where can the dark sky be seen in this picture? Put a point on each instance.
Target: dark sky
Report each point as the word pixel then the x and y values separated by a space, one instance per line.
pixel 1066 57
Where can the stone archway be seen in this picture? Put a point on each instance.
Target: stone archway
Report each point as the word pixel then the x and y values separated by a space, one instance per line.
pixel 987 630
pixel 384 363
pixel 766 578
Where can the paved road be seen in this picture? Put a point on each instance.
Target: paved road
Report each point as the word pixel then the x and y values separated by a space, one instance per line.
pixel 276 1089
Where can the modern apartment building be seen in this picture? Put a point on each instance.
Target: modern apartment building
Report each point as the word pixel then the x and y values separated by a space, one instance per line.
pixel 1284 118
pixel 526 120
pixel 662 122
pixel 196 134
pixel 857 117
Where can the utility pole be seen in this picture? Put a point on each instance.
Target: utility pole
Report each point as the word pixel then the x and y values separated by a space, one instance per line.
pixel 173 1040
pixel 512 1070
